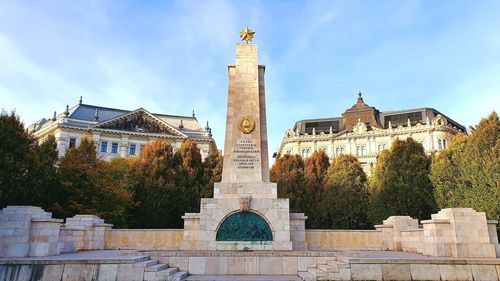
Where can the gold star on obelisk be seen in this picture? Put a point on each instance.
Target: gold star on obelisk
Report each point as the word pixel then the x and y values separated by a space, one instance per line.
pixel 246 34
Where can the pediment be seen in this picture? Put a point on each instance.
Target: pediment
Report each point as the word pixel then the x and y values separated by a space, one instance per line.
pixel 139 121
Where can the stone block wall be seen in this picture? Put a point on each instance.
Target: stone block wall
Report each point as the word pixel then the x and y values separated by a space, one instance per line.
pixel 146 239
pixel 329 239
pixel 28 231
pixel 391 231
pixel 492 231
pixel 453 232
pixel 458 232
pixel 94 230
pixel 412 240
pixel 44 237
pixel 71 239
pixel 298 231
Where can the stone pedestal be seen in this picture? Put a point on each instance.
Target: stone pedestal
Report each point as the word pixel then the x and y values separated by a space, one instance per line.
pixel 492 231
pixel 458 232
pixel 391 231
pixel 44 237
pixel 71 239
pixel 94 230
pixel 298 231
pixel 28 231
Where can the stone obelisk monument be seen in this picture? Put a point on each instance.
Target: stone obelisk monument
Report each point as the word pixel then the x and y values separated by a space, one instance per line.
pixel 245 148
pixel 245 212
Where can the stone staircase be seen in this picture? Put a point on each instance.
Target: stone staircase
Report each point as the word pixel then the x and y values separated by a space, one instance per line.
pixel 156 271
pixel 328 268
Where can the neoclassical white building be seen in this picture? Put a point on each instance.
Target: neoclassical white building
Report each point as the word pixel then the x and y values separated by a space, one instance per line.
pixel 363 131
pixel 118 132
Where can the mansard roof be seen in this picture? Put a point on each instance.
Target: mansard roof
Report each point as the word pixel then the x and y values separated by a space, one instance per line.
pixel 360 109
pixel 83 116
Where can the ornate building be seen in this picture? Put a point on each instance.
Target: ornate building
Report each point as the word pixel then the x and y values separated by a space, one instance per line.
pixel 363 131
pixel 120 133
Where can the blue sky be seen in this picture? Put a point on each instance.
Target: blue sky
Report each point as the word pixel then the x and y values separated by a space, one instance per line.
pixel 171 57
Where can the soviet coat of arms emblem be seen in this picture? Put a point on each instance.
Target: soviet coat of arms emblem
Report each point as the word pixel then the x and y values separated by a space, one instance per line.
pixel 247 125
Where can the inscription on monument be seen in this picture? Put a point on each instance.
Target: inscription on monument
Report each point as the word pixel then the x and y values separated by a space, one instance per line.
pixel 246 155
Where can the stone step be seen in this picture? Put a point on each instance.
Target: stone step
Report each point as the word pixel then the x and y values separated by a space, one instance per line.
pixel 343 259
pixel 146 263
pixel 343 274
pixel 317 272
pixel 167 271
pixel 338 264
pixel 243 278
pixel 306 276
pixel 161 275
pixel 157 267
pixel 328 268
pixel 150 276
pixel 178 276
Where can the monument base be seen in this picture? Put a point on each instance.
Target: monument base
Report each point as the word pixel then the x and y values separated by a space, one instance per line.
pixel 234 220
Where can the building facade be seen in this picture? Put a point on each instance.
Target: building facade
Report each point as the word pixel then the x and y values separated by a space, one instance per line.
pixel 364 132
pixel 120 133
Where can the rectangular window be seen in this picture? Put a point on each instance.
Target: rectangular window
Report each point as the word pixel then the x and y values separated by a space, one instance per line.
pixel 306 153
pixel 104 146
pixel 114 147
pixel 132 149
pixel 142 148
pixel 441 144
pixel 382 147
pixel 361 150
pixel 72 142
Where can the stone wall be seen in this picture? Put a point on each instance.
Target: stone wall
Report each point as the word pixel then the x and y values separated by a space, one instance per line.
pixel 28 231
pixel 343 239
pixel 412 241
pixel 453 232
pixel 71 271
pixel 298 231
pixel 147 239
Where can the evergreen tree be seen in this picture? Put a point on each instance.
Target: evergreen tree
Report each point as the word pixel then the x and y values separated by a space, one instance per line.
pixel 315 170
pixel 467 174
pixel 212 172
pixel 15 149
pixel 345 202
pixel 288 173
pixel 400 183
pixel 27 171
pixel 45 176
pixel 449 185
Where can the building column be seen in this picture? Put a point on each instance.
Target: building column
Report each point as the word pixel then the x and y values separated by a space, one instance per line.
pixel 61 145
pixel 331 150
pixel 123 147
pixel 97 138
